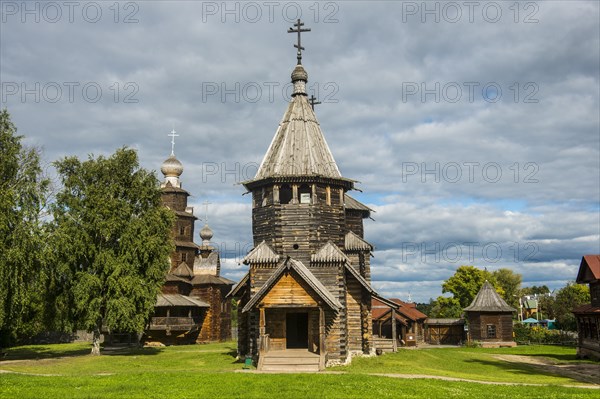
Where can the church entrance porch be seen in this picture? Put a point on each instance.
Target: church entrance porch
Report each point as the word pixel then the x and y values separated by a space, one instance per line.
pixel 291 338
pixel 290 328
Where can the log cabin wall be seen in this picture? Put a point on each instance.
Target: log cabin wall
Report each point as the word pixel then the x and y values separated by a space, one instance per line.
pixel 354 222
pixel 297 229
pixel 595 293
pixel 242 325
pixel 217 323
pixel 175 198
pixel 479 322
pixel 354 319
pixel 176 287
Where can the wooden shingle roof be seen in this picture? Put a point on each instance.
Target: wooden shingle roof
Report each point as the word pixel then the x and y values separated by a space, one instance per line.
pixel 167 300
pixel 351 203
pixel 488 300
pixel 183 270
pixel 203 279
pixel 329 253
pixel 353 242
pixel 236 289
pixel 298 147
pixel 262 253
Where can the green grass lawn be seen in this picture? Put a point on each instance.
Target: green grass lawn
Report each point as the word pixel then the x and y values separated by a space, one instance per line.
pixel 469 363
pixel 207 371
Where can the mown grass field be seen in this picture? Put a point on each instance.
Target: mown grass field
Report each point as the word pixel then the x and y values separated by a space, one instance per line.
pixel 211 371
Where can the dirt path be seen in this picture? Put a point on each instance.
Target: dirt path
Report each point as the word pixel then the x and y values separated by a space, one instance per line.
pixel 585 372
pixel 434 377
pixel 425 376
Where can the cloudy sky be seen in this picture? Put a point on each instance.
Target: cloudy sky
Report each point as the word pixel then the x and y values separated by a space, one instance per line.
pixel 473 127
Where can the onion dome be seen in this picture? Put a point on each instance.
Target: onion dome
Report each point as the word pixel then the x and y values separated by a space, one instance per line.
pixel 171 167
pixel 299 73
pixel 206 234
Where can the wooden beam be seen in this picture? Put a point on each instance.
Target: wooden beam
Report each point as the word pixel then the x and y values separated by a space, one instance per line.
pixel 321 338
pixel 394 337
pixel 261 327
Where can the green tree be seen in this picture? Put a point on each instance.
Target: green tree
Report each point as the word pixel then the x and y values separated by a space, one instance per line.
pixel 444 307
pixel 23 194
pixel 112 239
pixel 510 283
pixel 568 298
pixel 533 290
pixel 466 283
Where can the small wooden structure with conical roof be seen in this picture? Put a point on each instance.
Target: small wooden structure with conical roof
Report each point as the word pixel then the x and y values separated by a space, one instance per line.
pixel 490 318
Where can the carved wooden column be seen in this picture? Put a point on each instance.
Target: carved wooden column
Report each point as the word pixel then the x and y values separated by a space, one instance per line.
pixel 295 194
pixel 261 330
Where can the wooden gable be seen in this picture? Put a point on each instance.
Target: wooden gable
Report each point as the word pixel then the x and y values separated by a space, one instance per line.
pixel 289 291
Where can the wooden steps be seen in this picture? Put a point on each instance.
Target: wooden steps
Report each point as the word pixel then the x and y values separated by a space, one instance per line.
pixel 300 360
pixel 385 344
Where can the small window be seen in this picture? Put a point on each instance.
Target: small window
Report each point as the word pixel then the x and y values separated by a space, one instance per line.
pixel 183 257
pixel 285 194
pixel 304 194
pixel 491 331
pixel 181 230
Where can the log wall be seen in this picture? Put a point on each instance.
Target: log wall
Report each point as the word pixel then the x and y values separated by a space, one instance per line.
pixel 478 322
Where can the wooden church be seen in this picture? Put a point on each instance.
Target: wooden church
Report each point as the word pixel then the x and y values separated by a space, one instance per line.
pixel 308 285
pixel 191 307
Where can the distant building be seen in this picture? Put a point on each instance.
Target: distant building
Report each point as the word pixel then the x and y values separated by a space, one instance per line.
pixel 445 331
pixel 490 318
pixel 530 306
pixel 192 306
pixel 588 315
pixel 409 321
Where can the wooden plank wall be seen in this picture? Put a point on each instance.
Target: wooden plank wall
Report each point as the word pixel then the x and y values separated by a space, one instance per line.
pixel 478 322
pixel 309 226
pixel 354 321
pixel 290 291
pixel 354 222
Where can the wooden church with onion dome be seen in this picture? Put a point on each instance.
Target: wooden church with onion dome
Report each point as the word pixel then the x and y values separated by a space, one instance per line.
pixel 191 307
pixel 305 301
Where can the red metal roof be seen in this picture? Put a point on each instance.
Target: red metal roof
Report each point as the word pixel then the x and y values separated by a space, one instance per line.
pixel 406 309
pixel 589 269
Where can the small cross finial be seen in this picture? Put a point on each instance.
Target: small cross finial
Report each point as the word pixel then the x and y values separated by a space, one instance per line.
pixel 173 135
pixel 298 25
pixel 313 101
pixel 206 204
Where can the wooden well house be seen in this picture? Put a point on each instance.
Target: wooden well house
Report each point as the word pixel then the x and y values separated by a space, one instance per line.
pixel 490 318
pixel 308 282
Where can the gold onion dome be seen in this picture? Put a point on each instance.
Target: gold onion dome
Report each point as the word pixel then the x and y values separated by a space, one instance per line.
pixel 171 167
pixel 206 233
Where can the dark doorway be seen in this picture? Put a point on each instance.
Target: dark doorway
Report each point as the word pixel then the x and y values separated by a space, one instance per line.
pixel 296 330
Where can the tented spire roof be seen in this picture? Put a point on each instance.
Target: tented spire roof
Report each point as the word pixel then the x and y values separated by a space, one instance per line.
pixel 488 300
pixel 299 147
